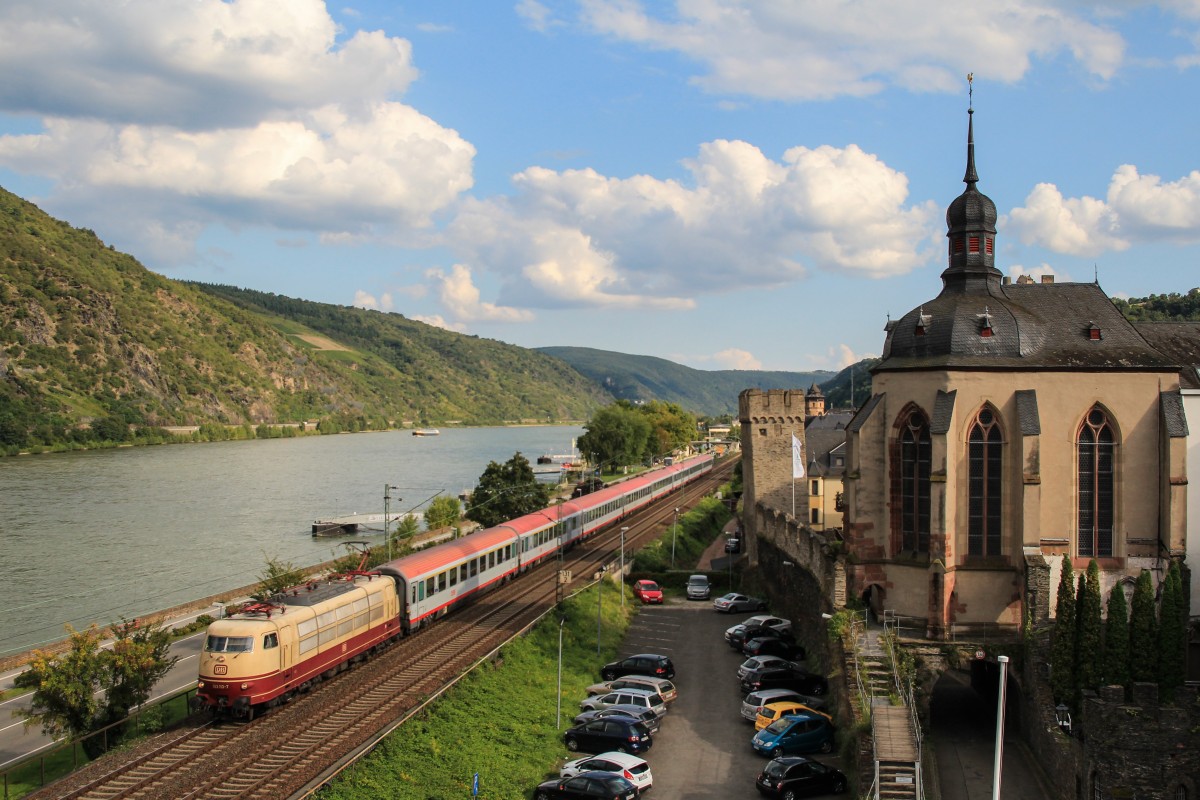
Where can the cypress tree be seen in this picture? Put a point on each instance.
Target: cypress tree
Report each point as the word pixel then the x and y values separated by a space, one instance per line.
pixel 1116 639
pixel 1088 648
pixel 1062 647
pixel 1172 634
pixel 1143 639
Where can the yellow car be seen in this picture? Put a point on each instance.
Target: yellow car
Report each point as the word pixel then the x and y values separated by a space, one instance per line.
pixel 773 711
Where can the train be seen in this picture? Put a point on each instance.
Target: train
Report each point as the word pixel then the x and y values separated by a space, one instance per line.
pixel 270 651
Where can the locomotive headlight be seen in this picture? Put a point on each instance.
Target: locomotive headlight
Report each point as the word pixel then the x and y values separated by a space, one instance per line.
pixel 199 684
pixel 245 686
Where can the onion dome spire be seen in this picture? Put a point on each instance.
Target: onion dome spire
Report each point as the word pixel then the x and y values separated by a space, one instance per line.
pixel 971 229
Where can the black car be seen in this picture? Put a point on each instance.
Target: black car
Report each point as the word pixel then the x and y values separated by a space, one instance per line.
pixel 593 785
pixel 740 634
pixel 645 716
pixel 623 734
pixel 788 777
pixel 774 646
pixel 794 678
pixel 651 664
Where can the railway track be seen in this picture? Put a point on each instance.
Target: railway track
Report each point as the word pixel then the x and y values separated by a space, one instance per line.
pixel 298 746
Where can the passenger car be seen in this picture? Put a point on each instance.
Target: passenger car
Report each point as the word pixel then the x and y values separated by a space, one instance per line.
pixel 734 602
pixel 797 733
pixel 787 777
pixel 643 698
pixel 631 768
pixel 780 646
pixel 661 685
pixel 645 716
pixel 756 701
pixel 780 624
pixel 594 785
pixel 756 664
pixel 795 678
pixel 698 587
pixel 740 634
pixel 648 592
pixel 609 733
pixel 652 664
pixel 773 711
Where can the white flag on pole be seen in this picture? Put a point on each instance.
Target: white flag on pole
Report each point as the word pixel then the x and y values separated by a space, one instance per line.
pixel 797 458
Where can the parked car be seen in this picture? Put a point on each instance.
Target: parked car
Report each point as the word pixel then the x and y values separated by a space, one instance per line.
pixel 796 776
pixel 780 624
pixel 609 733
pixel 773 711
pixel 643 698
pixel 631 768
pixel 645 716
pixel 661 685
pixel 698 587
pixel 782 646
pixel 795 678
pixel 754 702
pixel 594 785
pixel 642 664
pixel 648 592
pixel 741 634
pixel 756 664
pixel 797 733
pixel 735 602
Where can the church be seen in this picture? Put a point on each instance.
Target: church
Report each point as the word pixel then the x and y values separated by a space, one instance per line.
pixel 1010 424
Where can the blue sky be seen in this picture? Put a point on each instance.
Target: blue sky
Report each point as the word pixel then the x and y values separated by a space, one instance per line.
pixel 746 185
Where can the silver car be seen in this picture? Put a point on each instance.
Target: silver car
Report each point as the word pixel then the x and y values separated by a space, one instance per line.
pixel 643 698
pixel 698 587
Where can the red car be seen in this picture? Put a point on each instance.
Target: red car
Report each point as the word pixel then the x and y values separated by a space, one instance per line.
pixel 647 592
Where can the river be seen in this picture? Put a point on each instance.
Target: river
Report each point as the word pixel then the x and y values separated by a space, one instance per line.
pixel 99 535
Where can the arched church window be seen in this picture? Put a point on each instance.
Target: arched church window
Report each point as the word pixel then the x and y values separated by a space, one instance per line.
pixel 1096 456
pixel 915 456
pixel 985 453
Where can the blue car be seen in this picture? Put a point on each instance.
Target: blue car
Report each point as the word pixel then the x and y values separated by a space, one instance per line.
pixel 795 733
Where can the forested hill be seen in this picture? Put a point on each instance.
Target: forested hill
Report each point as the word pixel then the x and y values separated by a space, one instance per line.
pixel 91 343
pixel 713 393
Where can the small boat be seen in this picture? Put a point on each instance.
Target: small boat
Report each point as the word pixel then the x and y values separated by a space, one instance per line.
pixel 426 432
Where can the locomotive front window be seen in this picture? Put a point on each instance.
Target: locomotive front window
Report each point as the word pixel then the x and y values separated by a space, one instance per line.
pixel 229 644
pixel 270 640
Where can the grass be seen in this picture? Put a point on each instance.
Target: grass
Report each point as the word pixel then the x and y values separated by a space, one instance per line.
pixel 500 722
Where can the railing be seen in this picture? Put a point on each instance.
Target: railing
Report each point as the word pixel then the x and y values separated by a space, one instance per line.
pixel 891 625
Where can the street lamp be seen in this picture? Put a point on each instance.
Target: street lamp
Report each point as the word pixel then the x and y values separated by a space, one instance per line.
pixel 561 620
pixel 387 516
pixel 623 529
pixel 1000 727
pixel 599 594
pixel 674 528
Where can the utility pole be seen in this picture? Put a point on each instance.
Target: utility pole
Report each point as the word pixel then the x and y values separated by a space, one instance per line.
pixel 387 516
pixel 674 528
pixel 621 584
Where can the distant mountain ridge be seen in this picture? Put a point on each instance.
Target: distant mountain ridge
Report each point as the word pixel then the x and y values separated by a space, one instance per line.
pixel 708 392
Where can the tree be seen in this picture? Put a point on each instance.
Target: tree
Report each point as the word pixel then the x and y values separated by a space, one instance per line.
pixel 1116 639
pixel 1172 635
pixel 507 491
pixel 276 576
pixel 442 512
pixel 670 427
pixel 86 687
pixel 1062 649
pixel 1088 646
pixel 1143 638
pixel 406 529
pixel 616 434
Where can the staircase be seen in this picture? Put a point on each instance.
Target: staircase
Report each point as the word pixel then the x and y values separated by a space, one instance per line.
pixel 895 735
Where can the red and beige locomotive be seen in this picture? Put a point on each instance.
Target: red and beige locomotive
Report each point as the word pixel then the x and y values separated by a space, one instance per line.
pixel 268 652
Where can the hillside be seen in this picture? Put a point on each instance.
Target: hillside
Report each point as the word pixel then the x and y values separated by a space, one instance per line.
pixel 92 342
pixel 711 393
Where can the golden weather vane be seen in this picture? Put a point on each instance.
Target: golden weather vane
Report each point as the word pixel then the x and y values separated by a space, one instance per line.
pixel 970 89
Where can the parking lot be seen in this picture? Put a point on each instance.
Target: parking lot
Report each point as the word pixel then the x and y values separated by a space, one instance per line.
pixel 703 749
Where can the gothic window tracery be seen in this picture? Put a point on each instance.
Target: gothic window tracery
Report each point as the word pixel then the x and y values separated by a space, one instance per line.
pixel 1096 450
pixel 985 454
pixel 915 453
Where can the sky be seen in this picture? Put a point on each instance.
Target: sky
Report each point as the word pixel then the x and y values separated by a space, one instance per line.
pixel 727 184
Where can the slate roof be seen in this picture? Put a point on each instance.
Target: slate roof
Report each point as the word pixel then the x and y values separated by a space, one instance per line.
pixel 1033 326
pixel 1174 419
pixel 1027 412
pixel 861 416
pixel 824 435
pixel 1180 341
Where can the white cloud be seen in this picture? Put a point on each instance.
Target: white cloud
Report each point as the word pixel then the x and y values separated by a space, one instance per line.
pixel 438 321
pixel 162 117
pixel 1084 226
pixel 364 299
pixel 732 358
pixel 843 356
pixel 820 49
pixel 459 296
pixel 579 238
pixel 536 15
pixel 1138 208
pixel 1016 271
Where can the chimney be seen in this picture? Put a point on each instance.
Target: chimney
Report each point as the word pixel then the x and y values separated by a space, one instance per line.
pixel 1047 279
